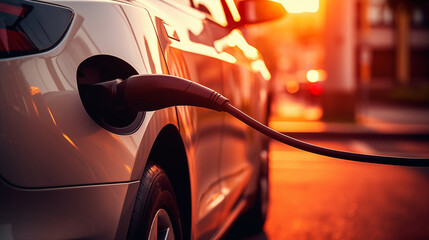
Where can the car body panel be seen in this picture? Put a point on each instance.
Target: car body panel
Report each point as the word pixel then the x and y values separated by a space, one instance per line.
pixel 100 212
pixel 187 52
pixel 42 103
pixel 204 51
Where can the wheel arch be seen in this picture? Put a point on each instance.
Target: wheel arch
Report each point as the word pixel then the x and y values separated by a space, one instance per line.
pixel 168 151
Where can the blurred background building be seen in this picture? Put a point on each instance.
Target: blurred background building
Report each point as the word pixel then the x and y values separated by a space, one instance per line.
pixel 331 59
pixel 393 50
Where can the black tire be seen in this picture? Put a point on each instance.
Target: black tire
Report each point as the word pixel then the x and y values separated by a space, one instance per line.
pixel 155 212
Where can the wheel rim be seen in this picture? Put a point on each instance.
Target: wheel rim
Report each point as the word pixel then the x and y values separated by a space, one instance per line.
pixel 161 227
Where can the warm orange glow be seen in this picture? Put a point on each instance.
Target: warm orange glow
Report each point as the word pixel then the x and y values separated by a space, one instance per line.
pixel 322 75
pixel 289 126
pixel 236 39
pixel 292 86
pixel 313 114
pixel 259 66
pixel 128 168
pixel 301 6
pixel 202 49
pixel 316 75
pixel 234 11
pixel 312 76
pixel 34 90
pixel 35 108
pixel 52 117
pixel 70 141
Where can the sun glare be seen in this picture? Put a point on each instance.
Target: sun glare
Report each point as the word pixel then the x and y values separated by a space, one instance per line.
pixel 301 6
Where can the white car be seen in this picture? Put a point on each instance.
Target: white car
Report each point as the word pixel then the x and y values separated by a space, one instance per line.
pixel 70 170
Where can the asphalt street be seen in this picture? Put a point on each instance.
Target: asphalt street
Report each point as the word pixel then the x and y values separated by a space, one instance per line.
pixel 315 197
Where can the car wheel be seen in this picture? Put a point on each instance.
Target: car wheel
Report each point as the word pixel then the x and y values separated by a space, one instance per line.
pixel 156 214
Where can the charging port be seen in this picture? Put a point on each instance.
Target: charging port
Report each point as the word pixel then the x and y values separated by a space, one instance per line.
pixel 102 68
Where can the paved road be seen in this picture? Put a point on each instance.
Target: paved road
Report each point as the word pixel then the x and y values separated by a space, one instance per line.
pixel 314 197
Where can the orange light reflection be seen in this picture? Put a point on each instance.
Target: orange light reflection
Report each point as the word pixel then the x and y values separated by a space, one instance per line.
pixel 70 141
pixel 128 168
pixel 52 116
pixel 234 11
pixel 35 108
pixel 34 90
pixel 259 66
pixel 236 39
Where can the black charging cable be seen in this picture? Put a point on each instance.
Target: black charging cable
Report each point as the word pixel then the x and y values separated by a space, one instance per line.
pixel 153 92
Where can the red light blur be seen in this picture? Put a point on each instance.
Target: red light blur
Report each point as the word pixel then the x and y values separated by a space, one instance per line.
pixel 316 89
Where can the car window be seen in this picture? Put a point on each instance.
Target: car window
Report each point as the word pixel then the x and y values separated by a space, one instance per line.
pixel 213 9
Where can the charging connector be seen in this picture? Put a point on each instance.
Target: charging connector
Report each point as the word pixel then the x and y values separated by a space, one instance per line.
pixel 153 92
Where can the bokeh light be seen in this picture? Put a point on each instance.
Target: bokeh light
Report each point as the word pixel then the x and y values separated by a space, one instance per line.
pixel 312 76
pixel 292 86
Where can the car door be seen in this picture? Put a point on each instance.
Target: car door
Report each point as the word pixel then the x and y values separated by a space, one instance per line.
pixel 245 84
pixel 188 49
